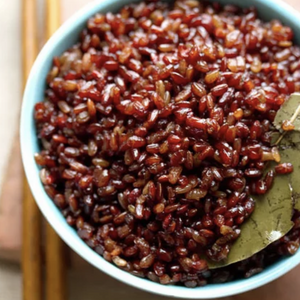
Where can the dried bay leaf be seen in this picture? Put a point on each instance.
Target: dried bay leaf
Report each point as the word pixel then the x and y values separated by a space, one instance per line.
pixel 270 221
pixel 273 212
pixel 290 152
pixel 287 111
pixel 289 145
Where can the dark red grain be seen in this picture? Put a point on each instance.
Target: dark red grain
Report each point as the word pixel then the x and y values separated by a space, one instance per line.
pixel 284 168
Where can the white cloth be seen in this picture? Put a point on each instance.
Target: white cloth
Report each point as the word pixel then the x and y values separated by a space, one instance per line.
pixel 10 76
pixel 10 282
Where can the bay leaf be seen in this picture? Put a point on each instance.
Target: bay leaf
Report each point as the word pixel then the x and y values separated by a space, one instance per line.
pixel 270 221
pixel 290 152
pixel 273 212
pixel 287 111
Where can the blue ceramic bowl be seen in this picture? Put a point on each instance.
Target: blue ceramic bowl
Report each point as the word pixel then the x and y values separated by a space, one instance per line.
pixel 66 36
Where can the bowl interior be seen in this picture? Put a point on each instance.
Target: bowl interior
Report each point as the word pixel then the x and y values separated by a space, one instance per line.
pixel 65 37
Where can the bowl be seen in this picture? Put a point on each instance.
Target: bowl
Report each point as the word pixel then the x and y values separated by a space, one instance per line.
pixel 34 92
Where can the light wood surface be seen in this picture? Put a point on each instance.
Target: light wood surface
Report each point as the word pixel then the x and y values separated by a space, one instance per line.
pixel 31 254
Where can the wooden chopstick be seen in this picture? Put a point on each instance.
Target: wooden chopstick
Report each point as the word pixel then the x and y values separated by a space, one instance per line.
pixel 29 36
pixel 31 251
pixel 56 286
pixel 56 283
pixel 53 17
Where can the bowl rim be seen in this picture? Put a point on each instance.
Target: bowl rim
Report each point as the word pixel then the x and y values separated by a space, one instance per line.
pixel 68 234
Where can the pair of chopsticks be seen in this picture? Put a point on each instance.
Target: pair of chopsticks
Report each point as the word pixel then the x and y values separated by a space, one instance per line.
pixel 32 260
